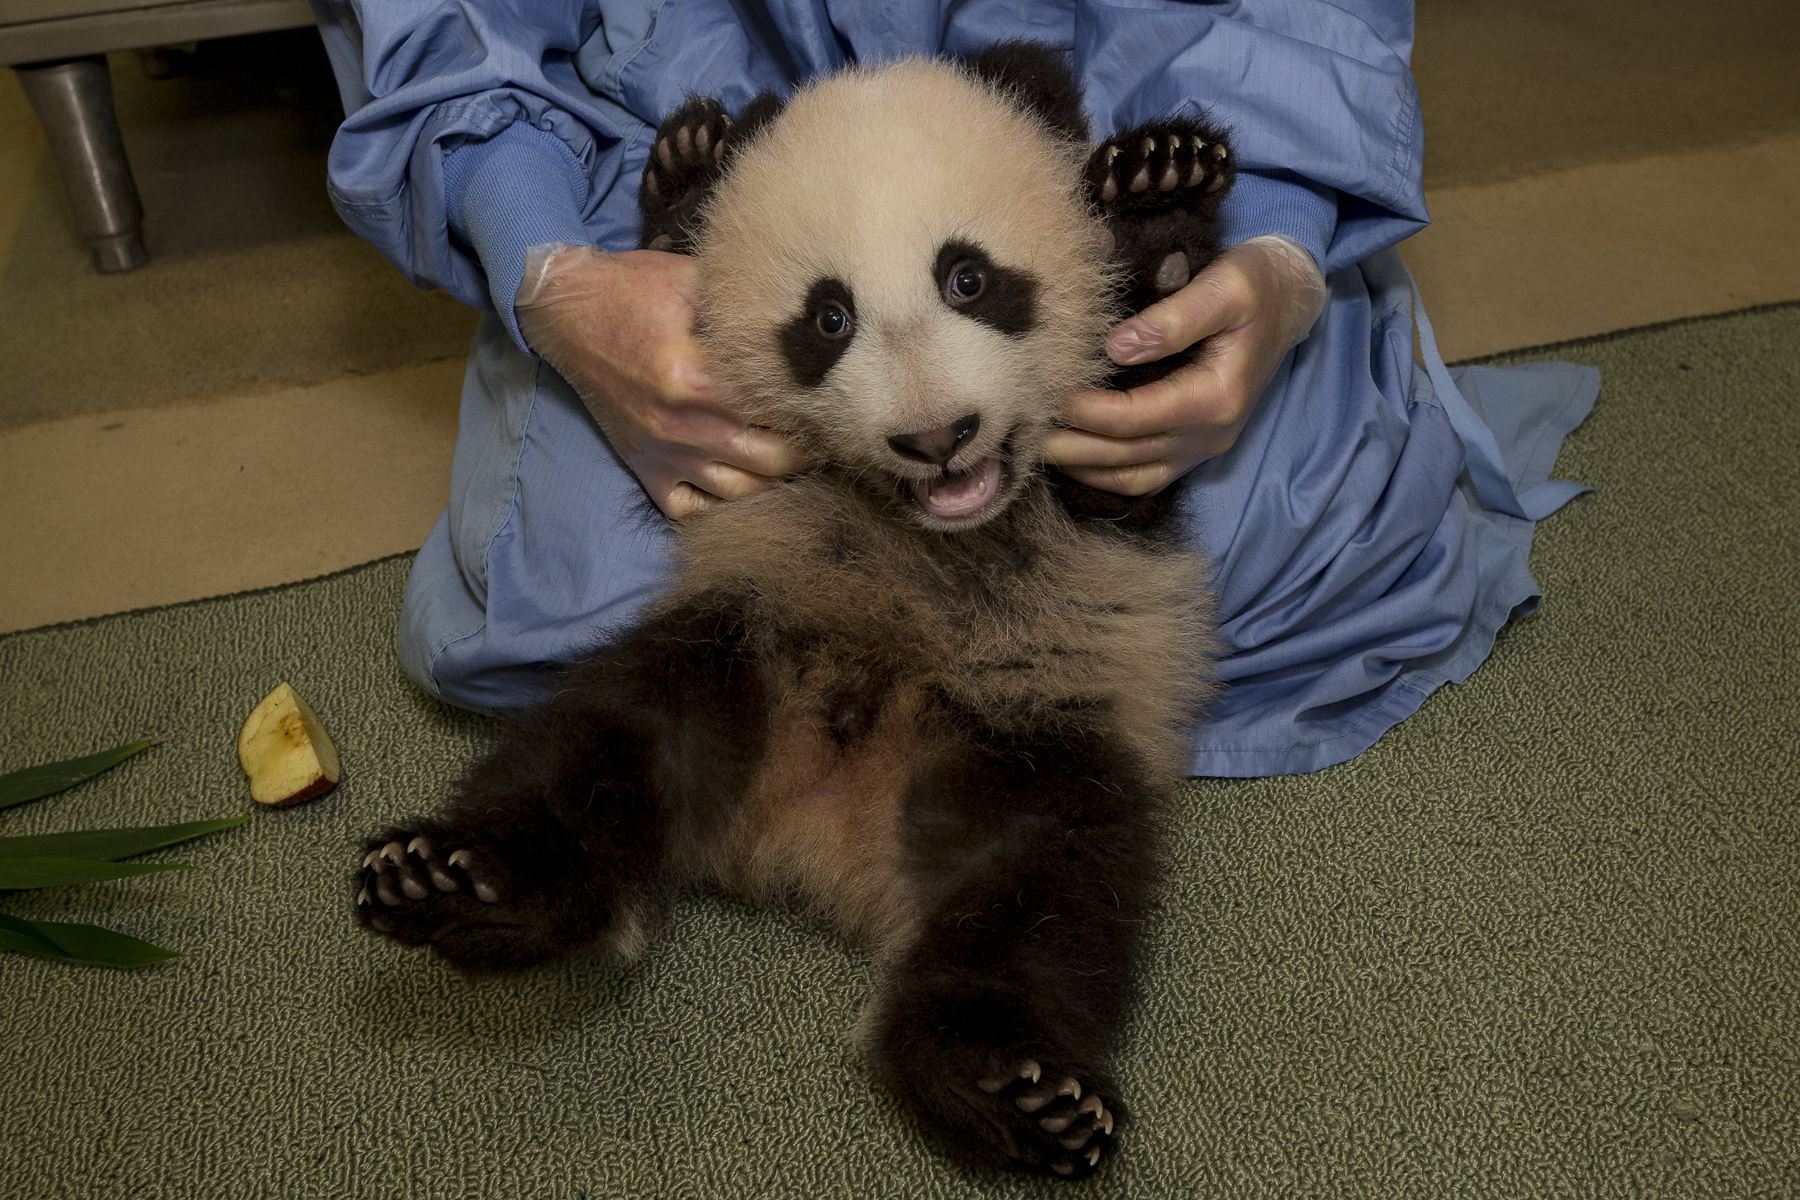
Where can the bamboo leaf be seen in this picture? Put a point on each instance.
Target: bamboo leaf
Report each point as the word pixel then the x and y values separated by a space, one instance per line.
pixel 16 934
pixel 19 874
pixel 79 943
pixel 34 783
pixel 110 844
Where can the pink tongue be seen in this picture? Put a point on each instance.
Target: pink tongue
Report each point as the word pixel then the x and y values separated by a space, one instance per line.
pixel 960 494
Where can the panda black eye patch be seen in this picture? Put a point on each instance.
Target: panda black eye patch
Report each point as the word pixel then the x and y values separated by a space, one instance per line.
pixel 971 283
pixel 814 340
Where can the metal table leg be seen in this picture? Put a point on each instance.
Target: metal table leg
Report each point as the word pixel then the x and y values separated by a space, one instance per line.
pixel 74 103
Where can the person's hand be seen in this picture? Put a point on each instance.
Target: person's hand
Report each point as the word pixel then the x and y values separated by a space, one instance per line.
pixel 619 328
pixel 1249 306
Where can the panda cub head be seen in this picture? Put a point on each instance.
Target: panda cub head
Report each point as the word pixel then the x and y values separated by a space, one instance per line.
pixel 902 274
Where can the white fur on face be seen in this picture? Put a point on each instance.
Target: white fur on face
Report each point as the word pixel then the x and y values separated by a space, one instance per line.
pixel 863 179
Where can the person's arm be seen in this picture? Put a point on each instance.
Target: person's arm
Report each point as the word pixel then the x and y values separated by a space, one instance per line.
pixel 442 102
pixel 479 133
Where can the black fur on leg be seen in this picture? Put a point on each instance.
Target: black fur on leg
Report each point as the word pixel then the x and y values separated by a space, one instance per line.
pixel 1035 855
pixel 689 156
pixel 1041 78
pixel 564 834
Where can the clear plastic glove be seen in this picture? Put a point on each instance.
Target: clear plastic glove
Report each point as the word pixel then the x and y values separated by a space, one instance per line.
pixel 620 329
pixel 1250 306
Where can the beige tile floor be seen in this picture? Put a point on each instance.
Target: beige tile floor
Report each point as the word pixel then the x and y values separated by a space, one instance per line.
pixel 203 495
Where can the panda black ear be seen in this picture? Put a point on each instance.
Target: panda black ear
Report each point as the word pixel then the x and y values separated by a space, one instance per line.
pixel 1040 78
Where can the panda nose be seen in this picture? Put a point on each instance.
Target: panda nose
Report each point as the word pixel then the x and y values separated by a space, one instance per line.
pixel 937 446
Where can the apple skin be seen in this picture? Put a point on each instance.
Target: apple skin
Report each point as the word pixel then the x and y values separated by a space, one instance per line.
pixel 284 749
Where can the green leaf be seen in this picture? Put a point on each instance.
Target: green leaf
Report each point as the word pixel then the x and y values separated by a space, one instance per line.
pixel 109 844
pixel 18 874
pixel 34 783
pixel 79 943
pixel 23 935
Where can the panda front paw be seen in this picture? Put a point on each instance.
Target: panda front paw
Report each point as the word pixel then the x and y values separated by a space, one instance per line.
pixel 1159 166
pixel 686 161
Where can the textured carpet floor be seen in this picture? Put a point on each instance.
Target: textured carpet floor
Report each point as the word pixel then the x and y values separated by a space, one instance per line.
pixel 1540 941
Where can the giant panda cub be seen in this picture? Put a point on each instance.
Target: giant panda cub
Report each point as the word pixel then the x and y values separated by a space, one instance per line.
pixel 929 687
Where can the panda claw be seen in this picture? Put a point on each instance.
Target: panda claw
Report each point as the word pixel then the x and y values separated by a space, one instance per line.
pixel 462 858
pixel 1093 1156
pixel 1070 1087
pixel 362 898
pixel 384 888
pixel 395 853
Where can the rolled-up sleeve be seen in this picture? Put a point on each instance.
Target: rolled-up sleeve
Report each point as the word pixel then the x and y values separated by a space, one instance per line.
pixel 421 78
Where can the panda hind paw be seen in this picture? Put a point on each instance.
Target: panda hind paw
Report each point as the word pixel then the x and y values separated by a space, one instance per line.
pixel 418 887
pixel 1047 1118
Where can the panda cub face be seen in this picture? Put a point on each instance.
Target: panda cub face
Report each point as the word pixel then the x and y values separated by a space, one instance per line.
pixel 901 273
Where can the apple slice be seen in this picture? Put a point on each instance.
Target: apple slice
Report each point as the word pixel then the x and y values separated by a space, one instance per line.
pixel 285 750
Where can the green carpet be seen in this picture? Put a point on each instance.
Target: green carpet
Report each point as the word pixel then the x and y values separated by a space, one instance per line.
pixel 1539 942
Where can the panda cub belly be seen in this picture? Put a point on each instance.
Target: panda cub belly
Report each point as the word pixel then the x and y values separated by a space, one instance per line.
pixel 931 685
pixel 1032 625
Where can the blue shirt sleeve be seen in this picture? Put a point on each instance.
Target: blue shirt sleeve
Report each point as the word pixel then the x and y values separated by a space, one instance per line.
pixel 522 187
pixel 1318 97
pixel 421 79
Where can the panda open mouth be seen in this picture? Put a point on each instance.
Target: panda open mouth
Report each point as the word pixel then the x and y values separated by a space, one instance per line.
pixel 957 495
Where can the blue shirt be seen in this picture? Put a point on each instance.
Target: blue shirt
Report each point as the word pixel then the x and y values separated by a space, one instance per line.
pixel 1369 530
pixel 476 130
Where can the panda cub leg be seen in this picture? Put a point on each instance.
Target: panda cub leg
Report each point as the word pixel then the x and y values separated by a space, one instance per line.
pixel 691 154
pixel 1033 859
pixel 568 833
pixel 1158 187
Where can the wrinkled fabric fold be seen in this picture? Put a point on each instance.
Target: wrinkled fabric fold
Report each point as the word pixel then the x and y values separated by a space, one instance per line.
pixel 1358 565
